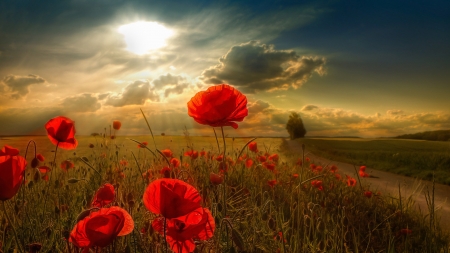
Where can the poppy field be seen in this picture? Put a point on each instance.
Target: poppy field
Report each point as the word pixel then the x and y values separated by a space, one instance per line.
pixel 113 193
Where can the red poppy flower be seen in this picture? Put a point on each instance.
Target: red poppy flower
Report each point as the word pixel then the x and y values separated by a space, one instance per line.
pixel 295 175
pixel 61 132
pixel 167 153
pixel 192 153
pixel 307 159
pixel 219 105
pixel 363 168
pixel 274 157
pixel 253 147
pixel 171 198
pixel 405 231
pixel 40 157
pixel 363 174
pixel 333 168
pixel 175 162
pixel 165 172
pixel 12 167
pixel 317 184
pixel 350 181
pixel 272 183
pixel 143 144
pixel 181 232
pixel 248 163
pixel 269 165
pixel 203 153
pixel 219 158
pixel 101 228
pixel 116 124
pixel 215 179
pixel 368 194
pixel 66 165
pixel 262 158
pixel 104 196
pixel 299 162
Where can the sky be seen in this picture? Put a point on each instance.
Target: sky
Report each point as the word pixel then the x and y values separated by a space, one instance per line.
pixel 349 68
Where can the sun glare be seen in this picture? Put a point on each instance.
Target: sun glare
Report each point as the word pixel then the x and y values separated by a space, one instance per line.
pixel 143 37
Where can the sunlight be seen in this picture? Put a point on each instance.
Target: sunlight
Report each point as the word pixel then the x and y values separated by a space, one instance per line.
pixel 142 37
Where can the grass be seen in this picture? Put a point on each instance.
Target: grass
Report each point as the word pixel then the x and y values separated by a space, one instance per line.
pixel 406 157
pixel 292 216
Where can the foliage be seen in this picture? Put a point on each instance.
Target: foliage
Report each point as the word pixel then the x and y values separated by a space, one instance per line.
pixel 295 126
pixel 440 135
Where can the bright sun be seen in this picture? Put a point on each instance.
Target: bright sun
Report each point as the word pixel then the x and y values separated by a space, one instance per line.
pixel 142 37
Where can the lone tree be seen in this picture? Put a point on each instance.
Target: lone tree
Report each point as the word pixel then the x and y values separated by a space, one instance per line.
pixel 295 126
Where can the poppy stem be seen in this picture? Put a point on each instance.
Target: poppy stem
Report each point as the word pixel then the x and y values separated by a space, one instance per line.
pixel 217 140
pixel 50 178
pixel 13 228
pixel 224 175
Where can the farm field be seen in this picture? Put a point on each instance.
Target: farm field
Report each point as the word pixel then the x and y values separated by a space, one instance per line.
pixel 414 158
pixel 272 202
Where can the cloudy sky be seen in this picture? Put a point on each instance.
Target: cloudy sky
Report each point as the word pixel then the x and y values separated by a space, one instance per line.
pixel 361 68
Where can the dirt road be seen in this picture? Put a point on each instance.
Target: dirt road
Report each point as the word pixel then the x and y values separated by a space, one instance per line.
pixel 388 183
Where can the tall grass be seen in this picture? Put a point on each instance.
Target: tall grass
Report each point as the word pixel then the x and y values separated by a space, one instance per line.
pixel 291 216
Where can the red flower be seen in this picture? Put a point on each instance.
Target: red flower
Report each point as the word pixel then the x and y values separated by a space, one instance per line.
pixel 203 153
pixel 295 175
pixel 368 194
pixel 299 162
pixel 215 179
pixel 219 105
pixel 181 232
pixel 40 157
pixel 171 198
pixel 272 183
pixel 143 144
pixel 167 153
pixel 101 228
pixel 12 167
pixel 363 174
pixel 104 196
pixel 248 163
pixel 274 157
pixel 61 132
pixel 405 231
pixel 175 162
pixel 333 168
pixel 66 165
pixel 350 181
pixel 262 158
pixel 269 165
pixel 363 168
pixel 317 184
pixel 165 172
pixel 192 153
pixel 116 124
pixel 253 147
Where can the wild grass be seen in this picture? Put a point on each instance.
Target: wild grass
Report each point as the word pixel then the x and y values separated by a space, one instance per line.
pixel 292 216
pixel 406 157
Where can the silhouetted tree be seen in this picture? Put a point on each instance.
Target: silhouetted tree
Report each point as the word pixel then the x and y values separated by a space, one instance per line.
pixel 295 126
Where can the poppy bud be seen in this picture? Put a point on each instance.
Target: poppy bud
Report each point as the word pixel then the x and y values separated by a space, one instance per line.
pixel 36 176
pixel 271 223
pixel 34 247
pixel 34 163
pixel 131 203
pixel 91 145
pixel 215 179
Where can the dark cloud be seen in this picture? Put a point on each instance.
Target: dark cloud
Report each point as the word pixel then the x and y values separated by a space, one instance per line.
pixel 19 86
pixel 309 107
pixel 259 67
pixel 81 103
pixel 257 106
pixel 133 94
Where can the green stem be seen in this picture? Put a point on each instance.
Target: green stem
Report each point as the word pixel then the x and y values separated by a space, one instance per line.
pixel 224 175
pixel 13 228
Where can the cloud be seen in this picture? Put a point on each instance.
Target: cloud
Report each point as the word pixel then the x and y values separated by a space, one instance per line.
pixel 259 67
pixel 19 86
pixel 167 79
pixel 81 103
pixel 309 107
pixel 135 93
pixel 175 90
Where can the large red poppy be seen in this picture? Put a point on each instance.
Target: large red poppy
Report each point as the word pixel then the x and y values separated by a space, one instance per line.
pixel 219 105
pixel 104 196
pixel 181 232
pixel 12 167
pixel 171 198
pixel 102 227
pixel 61 132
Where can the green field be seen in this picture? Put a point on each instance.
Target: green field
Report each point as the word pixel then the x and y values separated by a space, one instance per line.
pixel 414 158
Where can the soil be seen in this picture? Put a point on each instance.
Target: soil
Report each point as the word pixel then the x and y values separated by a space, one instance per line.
pixel 388 184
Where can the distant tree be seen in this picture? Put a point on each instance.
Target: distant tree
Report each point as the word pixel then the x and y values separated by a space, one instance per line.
pixel 295 126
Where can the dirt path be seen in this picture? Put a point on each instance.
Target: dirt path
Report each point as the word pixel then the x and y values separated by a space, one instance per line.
pixel 387 183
